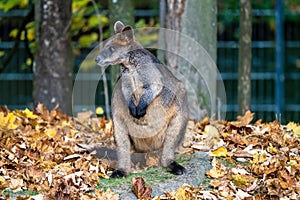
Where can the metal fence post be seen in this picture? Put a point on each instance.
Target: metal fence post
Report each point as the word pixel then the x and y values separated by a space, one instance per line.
pixel 279 58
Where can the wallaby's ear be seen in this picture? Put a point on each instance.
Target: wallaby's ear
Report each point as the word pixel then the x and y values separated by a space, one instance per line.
pixel 127 33
pixel 118 26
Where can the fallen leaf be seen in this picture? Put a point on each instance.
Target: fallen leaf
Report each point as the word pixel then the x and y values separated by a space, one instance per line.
pixel 219 152
pixel 242 195
pixel 218 170
pixel 8 121
pixel 243 120
pixel 107 195
pixel 29 114
pixel 239 180
pixel 140 189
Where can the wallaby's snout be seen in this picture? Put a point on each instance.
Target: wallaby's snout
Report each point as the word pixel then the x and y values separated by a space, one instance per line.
pixel 98 60
pixel 101 59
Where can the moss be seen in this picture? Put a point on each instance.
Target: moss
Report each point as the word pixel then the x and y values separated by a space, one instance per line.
pixel 151 176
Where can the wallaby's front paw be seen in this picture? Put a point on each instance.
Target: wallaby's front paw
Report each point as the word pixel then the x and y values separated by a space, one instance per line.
pixel 141 110
pixel 132 108
pixel 176 169
pixel 118 174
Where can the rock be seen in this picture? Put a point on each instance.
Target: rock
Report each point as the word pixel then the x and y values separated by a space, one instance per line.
pixel 196 167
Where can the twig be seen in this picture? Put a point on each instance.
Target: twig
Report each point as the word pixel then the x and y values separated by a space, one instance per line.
pixel 104 80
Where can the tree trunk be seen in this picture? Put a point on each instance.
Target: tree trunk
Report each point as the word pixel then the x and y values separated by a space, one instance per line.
pixel 196 35
pixel 244 81
pixel 119 10
pixel 54 59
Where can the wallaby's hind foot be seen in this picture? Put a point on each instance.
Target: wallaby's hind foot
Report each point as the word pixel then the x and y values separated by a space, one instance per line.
pixel 118 174
pixel 176 168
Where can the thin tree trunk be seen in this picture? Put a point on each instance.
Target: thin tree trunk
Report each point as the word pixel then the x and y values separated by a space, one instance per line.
pixel 195 25
pixel 104 79
pixel 54 59
pixel 119 10
pixel 244 81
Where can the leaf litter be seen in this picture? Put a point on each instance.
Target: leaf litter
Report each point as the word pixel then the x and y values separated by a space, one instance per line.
pixel 45 151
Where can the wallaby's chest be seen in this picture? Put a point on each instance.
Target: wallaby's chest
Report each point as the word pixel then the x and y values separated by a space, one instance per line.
pixel 132 84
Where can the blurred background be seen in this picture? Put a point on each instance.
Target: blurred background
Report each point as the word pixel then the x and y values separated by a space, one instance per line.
pixel 18 48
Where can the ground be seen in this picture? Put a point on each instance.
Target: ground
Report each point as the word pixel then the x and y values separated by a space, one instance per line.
pixel 48 155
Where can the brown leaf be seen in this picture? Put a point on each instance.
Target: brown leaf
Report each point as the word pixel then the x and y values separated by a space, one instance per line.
pixel 243 120
pixel 288 181
pixel 107 195
pixel 139 188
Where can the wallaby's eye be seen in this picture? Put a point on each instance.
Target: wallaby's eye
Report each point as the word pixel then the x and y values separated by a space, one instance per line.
pixel 111 49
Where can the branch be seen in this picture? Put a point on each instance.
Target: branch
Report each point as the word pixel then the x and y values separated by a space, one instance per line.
pixel 17 39
pixel 104 80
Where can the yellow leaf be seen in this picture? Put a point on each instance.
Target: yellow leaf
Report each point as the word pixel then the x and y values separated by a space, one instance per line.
pixel 219 152
pixel 1 179
pixel 259 158
pixel 87 40
pixel 99 110
pixel 2 119
pixel 182 194
pixel 292 126
pixel 30 34
pixel 23 3
pixel 29 114
pixel 13 33
pixel 2 53
pixel 28 61
pixel 297 130
pixel 78 5
pixel 8 121
pixel 272 149
pixel 51 133
pixel 239 180
pixel 93 21
pixel 292 163
pixel 65 123
pixel 104 20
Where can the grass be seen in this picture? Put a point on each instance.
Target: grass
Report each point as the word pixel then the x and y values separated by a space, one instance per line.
pixel 206 183
pixel 21 192
pixel 151 176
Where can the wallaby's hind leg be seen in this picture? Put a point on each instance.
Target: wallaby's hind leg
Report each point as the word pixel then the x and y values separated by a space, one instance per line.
pixel 123 150
pixel 174 135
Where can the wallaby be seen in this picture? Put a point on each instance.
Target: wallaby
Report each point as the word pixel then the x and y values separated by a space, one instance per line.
pixel 149 105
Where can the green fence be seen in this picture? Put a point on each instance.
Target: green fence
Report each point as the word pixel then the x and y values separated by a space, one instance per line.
pixel 16 83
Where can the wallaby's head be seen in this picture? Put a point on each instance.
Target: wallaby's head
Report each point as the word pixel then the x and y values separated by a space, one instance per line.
pixel 117 46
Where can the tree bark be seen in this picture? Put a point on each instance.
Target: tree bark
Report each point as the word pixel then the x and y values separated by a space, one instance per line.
pixel 195 23
pixel 244 69
pixel 54 60
pixel 119 10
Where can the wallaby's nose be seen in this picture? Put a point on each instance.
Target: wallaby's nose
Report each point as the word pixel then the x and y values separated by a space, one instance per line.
pixel 97 59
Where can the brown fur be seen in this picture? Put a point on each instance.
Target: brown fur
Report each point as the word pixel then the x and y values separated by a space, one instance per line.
pixel 144 82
